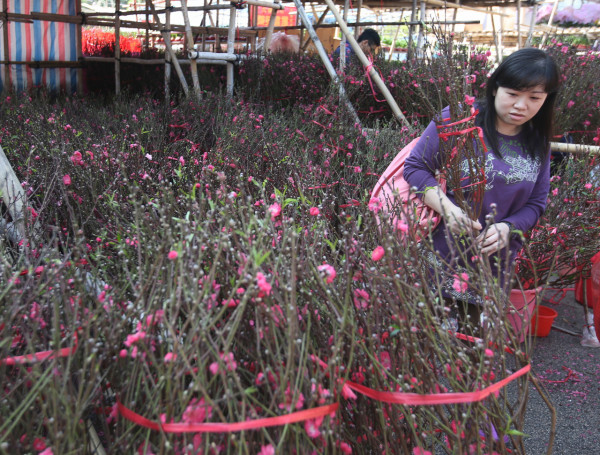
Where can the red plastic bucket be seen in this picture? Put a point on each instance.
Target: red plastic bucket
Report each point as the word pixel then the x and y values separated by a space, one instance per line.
pixel 542 320
pixel 520 309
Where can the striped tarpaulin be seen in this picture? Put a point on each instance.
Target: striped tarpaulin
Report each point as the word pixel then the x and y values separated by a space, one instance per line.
pixel 40 41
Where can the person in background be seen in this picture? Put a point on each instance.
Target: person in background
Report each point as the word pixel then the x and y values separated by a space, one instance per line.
pixel 369 41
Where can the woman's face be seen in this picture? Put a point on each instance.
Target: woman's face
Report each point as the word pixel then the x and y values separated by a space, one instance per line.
pixel 514 108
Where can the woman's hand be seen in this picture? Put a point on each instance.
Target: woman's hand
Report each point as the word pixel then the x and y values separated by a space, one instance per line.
pixel 459 222
pixel 494 238
pixel 455 218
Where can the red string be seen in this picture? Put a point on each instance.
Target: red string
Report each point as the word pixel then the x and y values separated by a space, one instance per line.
pixel 367 73
pixel 210 427
pixel 416 399
pixel 40 356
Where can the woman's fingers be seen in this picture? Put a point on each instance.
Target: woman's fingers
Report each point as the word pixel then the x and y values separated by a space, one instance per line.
pixel 494 238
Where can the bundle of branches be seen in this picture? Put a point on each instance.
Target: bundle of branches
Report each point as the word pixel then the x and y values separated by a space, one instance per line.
pixel 558 249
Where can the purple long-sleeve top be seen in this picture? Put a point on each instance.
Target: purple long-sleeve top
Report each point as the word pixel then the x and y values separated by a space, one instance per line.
pixel 516 185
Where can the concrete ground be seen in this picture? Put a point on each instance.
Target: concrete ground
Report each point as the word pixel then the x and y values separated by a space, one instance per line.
pixel 571 375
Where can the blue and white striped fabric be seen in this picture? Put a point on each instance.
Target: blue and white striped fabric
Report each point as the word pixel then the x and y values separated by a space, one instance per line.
pixel 40 41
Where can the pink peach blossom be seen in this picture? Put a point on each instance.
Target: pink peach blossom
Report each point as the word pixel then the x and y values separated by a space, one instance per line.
pixel 377 253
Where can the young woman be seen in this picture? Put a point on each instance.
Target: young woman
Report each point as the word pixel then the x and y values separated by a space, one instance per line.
pixel 516 117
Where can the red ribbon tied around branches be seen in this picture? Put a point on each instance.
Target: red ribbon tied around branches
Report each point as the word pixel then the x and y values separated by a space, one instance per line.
pixel 40 356
pixel 210 427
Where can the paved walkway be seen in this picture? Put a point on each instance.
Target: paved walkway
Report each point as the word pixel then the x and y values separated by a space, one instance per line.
pixel 575 391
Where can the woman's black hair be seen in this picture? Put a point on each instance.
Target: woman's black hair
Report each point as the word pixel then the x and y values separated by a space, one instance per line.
pixel 370 35
pixel 523 70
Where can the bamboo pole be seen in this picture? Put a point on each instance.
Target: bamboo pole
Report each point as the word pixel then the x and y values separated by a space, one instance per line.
pixel 147 24
pixel 342 61
pixel 421 41
pixel 500 40
pixel 575 148
pixel 411 30
pixel 167 38
pixel 223 56
pixel 243 31
pixel 531 25
pixel 161 61
pixel 393 46
pixel 301 34
pixel 158 11
pixel 365 24
pixel 259 3
pixel 168 57
pixel 518 24
pixel 325 58
pixel 368 65
pixel 6 51
pixel 190 46
pixel 79 47
pixel 550 19
pixel 230 50
pixel 496 46
pixel 357 30
pixel 117 49
pixel 217 43
pixel 454 14
pixel 254 23
pixel 269 33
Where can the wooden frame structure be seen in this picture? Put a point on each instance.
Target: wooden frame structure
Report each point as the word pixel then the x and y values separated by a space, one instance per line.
pixel 152 13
